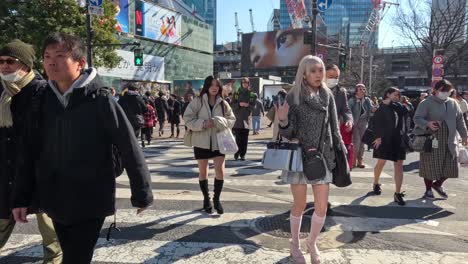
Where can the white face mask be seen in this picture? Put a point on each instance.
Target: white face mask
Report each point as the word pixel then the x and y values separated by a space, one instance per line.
pixel 12 77
pixel 332 83
pixel 443 95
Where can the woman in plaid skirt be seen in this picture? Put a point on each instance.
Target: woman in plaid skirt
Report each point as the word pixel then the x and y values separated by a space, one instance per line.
pixel 440 116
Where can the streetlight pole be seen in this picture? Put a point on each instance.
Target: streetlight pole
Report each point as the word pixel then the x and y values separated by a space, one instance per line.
pixel 313 45
pixel 89 36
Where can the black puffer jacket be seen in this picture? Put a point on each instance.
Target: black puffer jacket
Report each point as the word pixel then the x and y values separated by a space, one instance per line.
pixel 20 106
pixel 134 107
pixel 75 177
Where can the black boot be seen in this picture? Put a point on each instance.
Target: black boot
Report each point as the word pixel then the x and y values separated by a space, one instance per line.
pixel 218 187
pixel 206 196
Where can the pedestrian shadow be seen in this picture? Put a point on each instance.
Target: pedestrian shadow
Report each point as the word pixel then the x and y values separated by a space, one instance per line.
pixel 386 217
pixel 145 232
pixel 413 166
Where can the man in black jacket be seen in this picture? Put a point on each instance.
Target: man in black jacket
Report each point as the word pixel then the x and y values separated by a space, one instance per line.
pixel 134 107
pixel 175 110
pixel 161 109
pixel 80 123
pixel 18 85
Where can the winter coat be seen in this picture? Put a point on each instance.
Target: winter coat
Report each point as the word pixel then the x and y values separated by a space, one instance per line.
pixel 306 121
pixel 434 109
pixel 356 110
pixel 161 108
pixel 134 107
pixel 198 111
pixel 342 108
pixel 243 114
pixel 174 111
pixel 388 123
pixel 75 175
pixel 149 116
pixel 9 142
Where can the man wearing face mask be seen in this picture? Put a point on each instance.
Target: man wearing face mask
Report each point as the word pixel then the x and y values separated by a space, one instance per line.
pixel 344 112
pixel 18 85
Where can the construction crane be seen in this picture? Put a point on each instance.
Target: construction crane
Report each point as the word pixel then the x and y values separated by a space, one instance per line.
pixel 371 26
pixel 251 20
pixel 239 31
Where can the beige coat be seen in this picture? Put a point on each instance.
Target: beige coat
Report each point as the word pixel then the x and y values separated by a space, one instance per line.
pixel 199 111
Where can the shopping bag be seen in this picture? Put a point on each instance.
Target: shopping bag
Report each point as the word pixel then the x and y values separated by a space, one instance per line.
pixel 283 156
pixel 226 142
pixel 463 156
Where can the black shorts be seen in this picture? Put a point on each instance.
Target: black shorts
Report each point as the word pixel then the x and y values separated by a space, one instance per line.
pixel 201 154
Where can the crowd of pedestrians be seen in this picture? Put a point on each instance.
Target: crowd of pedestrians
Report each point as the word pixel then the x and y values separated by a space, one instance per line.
pixel 71 130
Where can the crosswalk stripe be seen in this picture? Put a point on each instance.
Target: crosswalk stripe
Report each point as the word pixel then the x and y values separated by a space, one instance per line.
pixel 240 170
pixel 245 196
pixel 335 223
pixel 155 251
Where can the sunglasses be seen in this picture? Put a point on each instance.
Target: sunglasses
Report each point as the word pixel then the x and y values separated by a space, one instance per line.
pixel 8 61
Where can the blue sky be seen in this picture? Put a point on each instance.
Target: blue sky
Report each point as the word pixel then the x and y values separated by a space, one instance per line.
pixel 262 10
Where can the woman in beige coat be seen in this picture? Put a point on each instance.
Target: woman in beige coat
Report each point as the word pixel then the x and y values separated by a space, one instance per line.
pixel 205 116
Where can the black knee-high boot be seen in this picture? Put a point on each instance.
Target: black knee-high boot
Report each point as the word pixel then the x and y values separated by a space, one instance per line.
pixel 206 196
pixel 218 187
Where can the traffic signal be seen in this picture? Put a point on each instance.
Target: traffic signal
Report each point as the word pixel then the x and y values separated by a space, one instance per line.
pixel 342 61
pixel 138 57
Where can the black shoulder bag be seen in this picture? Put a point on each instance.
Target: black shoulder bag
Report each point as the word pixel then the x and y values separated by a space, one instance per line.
pixel 312 159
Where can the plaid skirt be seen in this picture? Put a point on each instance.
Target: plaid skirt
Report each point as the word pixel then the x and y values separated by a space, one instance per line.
pixel 439 163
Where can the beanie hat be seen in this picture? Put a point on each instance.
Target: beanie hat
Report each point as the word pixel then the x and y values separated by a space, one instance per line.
pixel 20 50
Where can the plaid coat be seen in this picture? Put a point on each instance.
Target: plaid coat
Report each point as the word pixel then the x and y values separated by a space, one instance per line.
pixel 149 117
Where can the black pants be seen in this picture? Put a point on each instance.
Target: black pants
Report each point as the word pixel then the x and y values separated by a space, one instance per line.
pixel 78 240
pixel 146 133
pixel 161 124
pixel 242 139
pixel 172 128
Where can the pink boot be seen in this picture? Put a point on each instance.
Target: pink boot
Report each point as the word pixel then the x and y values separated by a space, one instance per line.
pixel 316 226
pixel 295 247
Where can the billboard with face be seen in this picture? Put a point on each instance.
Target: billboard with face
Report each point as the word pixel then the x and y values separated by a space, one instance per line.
pixel 275 49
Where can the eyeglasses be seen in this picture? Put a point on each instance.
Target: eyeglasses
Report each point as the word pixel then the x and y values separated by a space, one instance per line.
pixel 8 61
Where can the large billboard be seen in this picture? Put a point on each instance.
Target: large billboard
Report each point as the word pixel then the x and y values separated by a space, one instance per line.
pixel 155 22
pixel 122 15
pixel 275 49
pixel 184 87
pixel 152 69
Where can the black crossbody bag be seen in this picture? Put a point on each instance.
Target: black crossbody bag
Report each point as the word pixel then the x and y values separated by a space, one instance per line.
pixel 313 161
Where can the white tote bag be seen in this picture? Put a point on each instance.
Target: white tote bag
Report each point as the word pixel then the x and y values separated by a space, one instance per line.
pixel 226 142
pixel 463 155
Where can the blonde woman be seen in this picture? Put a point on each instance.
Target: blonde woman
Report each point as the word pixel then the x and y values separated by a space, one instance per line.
pixel 309 107
pixel 205 116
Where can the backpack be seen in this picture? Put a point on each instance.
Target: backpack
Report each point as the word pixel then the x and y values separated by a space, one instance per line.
pixel 117 162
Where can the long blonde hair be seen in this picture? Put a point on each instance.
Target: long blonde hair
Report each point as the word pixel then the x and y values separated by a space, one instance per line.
pixel 305 65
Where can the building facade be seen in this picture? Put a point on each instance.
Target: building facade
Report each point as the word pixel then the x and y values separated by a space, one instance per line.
pixel 205 9
pixel 274 21
pixel 187 55
pixel 344 20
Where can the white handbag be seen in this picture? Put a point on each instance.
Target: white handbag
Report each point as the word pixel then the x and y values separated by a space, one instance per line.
pixel 283 156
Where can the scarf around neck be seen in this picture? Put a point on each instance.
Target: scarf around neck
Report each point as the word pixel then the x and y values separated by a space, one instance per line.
pixel 11 89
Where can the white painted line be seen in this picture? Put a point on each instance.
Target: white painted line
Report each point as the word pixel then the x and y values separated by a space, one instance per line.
pixel 155 251
pixel 373 201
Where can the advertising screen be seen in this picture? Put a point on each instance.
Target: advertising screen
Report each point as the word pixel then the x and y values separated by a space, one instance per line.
pixel 155 22
pixel 122 15
pixel 184 87
pixel 274 49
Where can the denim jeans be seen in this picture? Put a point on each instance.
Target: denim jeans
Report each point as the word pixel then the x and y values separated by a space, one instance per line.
pixel 256 120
